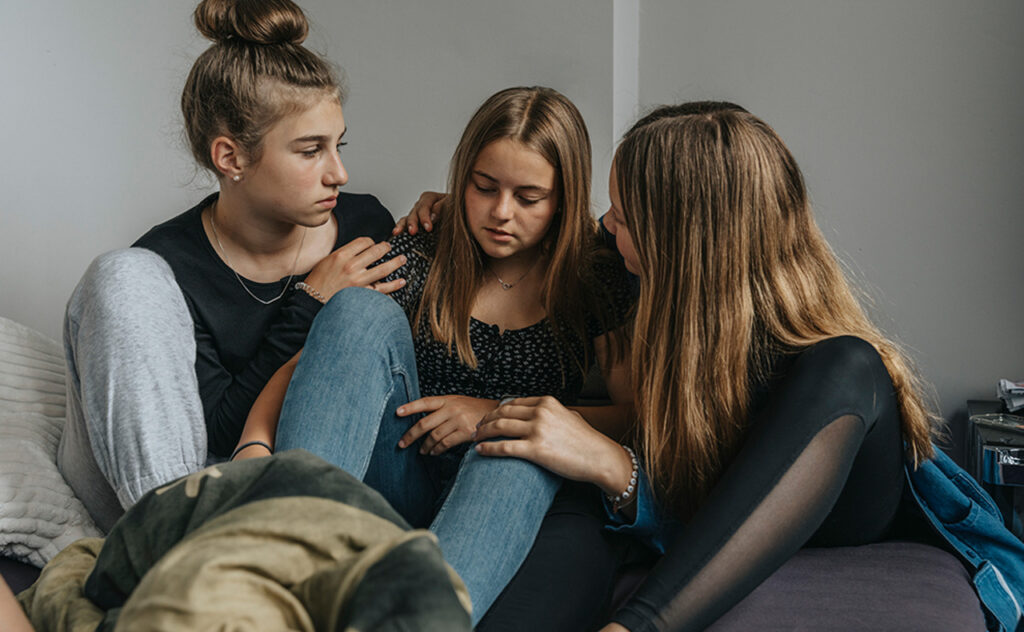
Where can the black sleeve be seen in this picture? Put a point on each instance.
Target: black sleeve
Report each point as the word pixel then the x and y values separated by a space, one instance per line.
pixel 227 398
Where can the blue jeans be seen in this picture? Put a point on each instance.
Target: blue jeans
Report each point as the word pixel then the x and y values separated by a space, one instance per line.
pixel 358 367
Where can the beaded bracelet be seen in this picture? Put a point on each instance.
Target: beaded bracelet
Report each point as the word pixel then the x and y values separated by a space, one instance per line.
pixel 250 444
pixel 312 291
pixel 623 499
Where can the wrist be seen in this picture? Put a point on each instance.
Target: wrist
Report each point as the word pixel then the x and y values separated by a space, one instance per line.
pixel 617 472
pixel 251 449
pixel 623 490
pixel 310 289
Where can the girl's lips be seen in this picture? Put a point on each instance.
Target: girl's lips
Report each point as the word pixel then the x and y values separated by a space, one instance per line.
pixel 329 201
pixel 499 235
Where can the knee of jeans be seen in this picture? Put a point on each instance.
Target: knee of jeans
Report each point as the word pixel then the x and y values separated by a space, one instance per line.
pixel 362 311
pixel 513 473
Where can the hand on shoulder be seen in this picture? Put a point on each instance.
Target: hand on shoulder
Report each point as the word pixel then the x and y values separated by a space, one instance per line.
pixel 424 213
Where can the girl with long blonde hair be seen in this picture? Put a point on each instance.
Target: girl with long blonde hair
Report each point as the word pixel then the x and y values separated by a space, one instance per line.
pixel 771 413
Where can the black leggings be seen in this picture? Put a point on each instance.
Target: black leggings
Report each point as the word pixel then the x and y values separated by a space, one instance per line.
pixel 821 466
pixel 567 579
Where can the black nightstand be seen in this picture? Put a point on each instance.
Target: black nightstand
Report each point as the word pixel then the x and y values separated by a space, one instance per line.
pixel 995 458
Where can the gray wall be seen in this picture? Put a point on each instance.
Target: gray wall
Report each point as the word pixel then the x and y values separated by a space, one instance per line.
pixel 91 148
pixel 904 115
pixel 906 119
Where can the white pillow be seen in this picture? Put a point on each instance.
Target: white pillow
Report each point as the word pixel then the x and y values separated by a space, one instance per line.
pixel 39 514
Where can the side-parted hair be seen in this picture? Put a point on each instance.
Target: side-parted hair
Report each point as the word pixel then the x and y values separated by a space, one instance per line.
pixel 255 73
pixel 733 270
pixel 545 121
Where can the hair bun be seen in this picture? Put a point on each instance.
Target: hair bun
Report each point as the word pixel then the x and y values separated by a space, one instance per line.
pixel 253 21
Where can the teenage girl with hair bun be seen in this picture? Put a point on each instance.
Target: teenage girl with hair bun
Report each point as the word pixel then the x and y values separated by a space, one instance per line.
pixel 169 343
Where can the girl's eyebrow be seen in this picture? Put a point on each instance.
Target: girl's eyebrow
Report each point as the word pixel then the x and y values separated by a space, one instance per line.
pixel 527 187
pixel 318 138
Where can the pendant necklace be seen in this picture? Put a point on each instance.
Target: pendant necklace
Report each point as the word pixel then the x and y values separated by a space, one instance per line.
pixel 287 285
pixel 508 286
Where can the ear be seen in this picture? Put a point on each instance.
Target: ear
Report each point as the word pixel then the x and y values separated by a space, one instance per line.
pixel 228 157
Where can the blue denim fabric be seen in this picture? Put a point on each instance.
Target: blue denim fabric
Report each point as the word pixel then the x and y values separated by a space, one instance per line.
pixel 652 525
pixel 967 517
pixel 357 368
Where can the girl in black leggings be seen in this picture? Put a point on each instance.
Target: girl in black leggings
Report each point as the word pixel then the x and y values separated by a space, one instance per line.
pixel 772 414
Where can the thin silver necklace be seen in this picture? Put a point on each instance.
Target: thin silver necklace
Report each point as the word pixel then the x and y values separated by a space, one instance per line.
pixel 287 285
pixel 508 286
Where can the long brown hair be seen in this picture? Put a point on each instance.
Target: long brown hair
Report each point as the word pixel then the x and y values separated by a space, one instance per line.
pixel 547 122
pixel 255 73
pixel 733 270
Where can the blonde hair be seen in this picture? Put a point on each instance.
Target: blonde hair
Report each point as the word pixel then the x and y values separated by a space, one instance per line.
pixel 254 74
pixel 545 121
pixel 734 270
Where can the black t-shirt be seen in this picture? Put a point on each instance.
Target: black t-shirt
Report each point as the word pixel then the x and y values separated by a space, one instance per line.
pixel 240 342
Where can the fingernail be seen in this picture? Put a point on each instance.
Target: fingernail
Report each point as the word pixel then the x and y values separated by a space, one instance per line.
pixel 473 436
pixel 401 444
pixel 401 281
pixel 400 411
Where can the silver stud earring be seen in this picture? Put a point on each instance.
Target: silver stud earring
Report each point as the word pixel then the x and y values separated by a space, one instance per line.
pixel 236 178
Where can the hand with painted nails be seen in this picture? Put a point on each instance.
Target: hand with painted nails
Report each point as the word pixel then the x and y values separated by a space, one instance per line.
pixel 451 420
pixel 424 213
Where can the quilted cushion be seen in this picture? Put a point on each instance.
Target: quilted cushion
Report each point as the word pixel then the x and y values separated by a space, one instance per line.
pixel 39 514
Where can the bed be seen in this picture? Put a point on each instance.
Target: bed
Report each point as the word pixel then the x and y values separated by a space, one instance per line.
pixel 885 586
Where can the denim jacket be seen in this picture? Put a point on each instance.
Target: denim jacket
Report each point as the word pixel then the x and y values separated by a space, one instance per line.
pixel 967 517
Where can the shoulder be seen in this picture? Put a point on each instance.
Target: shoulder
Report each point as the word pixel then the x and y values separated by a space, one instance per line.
pixel 179 233
pixel 848 351
pixel 419 251
pixel 612 289
pixel 844 360
pixel 608 269
pixel 422 245
pixel 362 215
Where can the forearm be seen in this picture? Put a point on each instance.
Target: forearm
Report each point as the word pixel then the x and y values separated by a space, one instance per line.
pixel 228 398
pixel 261 424
pixel 12 617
